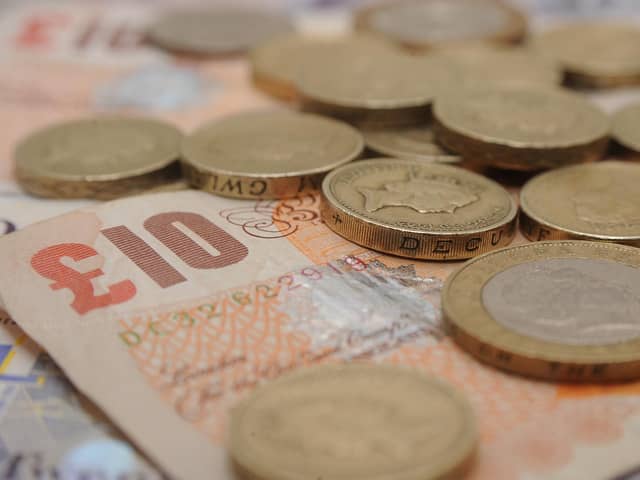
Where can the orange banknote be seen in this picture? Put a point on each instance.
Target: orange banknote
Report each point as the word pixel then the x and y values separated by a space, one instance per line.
pixel 168 314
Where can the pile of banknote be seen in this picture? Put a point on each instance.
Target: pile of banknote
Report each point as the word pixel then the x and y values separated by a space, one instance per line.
pixel 310 240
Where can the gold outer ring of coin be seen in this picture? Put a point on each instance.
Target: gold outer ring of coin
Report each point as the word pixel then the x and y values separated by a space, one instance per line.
pixel 162 168
pixel 479 334
pixel 475 148
pixel 514 33
pixel 338 388
pixel 257 185
pixel 536 228
pixel 411 242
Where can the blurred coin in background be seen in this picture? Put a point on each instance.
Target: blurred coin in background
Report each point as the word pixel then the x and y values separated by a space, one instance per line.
pixel 520 128
pixel 625 127
pixel 423 24
pixel 599 201
pixel 216 31
pixel 594 54
pixel 267 154
pixel 416 209
pixel 100 157
pixel 561 311
pixel 374 87
pixel 484 64
pixel 415 142
pixel 277 63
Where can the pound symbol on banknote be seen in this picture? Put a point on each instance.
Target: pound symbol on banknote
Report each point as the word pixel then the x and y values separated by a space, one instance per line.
pixel 48 263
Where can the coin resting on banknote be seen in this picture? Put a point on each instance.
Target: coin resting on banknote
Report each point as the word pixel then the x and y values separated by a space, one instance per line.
pixel 598 201
pixel 563 311
pixel 368 422
pixel 267 154
pixel 417 209
pixel 420 25
pixel 521 128
pixel 100 157
pixel 216 31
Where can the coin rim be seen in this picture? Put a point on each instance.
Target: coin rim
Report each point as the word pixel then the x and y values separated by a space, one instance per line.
pixel 484 329
pixel 464 449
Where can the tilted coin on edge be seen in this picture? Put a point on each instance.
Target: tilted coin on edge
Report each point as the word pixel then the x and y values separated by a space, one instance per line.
pixel 357 422
pixel 521 128
pixel 267 154
pixel 594 54
pixel 216 31
pixel 98 157
pixel 625 128
pixel 599 201
pixel 561 311
pixel 416 209
pixel 423 24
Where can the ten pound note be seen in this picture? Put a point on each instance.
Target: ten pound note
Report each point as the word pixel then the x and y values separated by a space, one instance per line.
pixel 167 309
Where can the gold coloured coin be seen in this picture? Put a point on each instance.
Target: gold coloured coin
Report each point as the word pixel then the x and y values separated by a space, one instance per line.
pixel 625 127
pixel 267 154
pixel 486 64
pixel 562 311
pixel 416 209
pixel 422 24
pixel 599 201
pixel 277 63
pixel 416 142
pixel 100 157
pixel 375 87
pixel 594 54
pixel 217 31
pixel 355 422
pixel 520 128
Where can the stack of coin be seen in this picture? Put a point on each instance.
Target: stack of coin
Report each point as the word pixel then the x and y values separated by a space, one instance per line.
pixel 416 209
pixel 594 54
pixel 625 128
pixel 267 154
pixel 374 87
pixel 101 157
pixel 599 201
pixel 562 311
pixel 277 64
pixel 423 24
pixel 521 128
pixel 356 422
pixel 216 31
